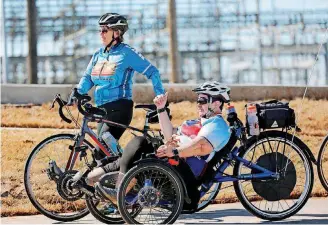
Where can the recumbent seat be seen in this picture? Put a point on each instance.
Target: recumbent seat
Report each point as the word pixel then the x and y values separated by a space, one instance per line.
pixel 209 173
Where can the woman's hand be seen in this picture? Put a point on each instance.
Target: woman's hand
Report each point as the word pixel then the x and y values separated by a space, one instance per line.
pixel 160 100
pixel 174 141
pixel 165 151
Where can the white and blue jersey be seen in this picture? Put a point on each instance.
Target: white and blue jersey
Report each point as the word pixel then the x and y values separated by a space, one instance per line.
pixel 215 130
pixel 111 72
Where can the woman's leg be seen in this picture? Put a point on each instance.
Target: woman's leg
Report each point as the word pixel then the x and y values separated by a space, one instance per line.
pixel 132 152
pixel 120 111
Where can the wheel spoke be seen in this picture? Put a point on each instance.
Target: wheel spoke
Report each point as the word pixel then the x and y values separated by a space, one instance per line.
pixel 158 200
pixel 42 189
pixel 277 195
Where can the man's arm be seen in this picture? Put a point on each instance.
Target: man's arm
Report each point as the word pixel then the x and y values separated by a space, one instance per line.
pixel 166 125
pixel 164 120
pixel 197 147
pixel 212 136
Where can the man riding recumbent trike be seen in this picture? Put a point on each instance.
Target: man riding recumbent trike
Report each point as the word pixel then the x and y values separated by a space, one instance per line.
pixel 272 172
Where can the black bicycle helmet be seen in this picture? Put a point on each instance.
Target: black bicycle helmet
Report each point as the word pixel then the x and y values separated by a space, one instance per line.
pixel 114 20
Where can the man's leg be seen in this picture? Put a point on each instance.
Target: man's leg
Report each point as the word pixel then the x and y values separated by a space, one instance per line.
pixel 191 184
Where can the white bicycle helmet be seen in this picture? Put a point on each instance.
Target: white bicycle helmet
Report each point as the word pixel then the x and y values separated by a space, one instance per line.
pixel 214 89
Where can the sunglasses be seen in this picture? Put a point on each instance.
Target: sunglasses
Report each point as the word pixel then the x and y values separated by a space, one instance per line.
pixel 103 31
pixel 202 101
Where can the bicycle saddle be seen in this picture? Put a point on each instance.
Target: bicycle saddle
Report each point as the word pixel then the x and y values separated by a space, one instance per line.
pixel 146 106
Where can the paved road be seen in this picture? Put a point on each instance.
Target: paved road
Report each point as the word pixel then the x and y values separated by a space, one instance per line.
pixel 314 212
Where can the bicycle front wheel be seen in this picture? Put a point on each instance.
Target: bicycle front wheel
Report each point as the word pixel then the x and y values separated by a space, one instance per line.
pixel 47 182
pixel 323 163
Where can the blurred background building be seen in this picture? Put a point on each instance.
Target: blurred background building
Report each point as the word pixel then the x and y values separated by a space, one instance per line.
pixel 232 41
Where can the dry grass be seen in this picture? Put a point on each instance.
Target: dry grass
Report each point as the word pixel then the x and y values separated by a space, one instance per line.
pixel 16 145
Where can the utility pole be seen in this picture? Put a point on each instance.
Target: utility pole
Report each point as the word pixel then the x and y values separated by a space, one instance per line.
pixel 326 59
pixel 32 68
pixel 218 17
pixel 4 62
pixel 173 42
pixel 259 39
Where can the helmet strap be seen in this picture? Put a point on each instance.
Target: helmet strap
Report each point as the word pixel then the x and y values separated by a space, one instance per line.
pixel 110 43
pixel 210 112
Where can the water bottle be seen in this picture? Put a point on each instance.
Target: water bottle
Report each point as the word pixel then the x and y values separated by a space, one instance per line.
pixel 111 143
pixel 253 120
pixel 148 183
pixel 231 114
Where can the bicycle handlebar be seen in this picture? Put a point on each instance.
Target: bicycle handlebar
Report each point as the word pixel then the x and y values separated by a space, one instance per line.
pixel 82 100
pixel 61 104
pixel 82 103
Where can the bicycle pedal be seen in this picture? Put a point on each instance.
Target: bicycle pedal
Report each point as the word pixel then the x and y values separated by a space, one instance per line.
pixel 51 175
pixel 53 172
pixel 85 188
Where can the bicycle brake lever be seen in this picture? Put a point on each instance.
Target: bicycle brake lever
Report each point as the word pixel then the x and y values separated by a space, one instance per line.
pixel 52 104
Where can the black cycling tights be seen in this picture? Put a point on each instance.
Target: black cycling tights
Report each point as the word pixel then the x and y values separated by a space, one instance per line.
pixel 120 111
pixel 131 153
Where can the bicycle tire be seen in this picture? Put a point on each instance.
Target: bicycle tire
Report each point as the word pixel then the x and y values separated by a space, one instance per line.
pixel 320 169
pixel 263 214
pixel 27 185
pixel 100 216
pixel 162 169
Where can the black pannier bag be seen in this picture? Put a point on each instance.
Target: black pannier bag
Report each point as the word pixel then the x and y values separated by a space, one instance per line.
pixel 275 114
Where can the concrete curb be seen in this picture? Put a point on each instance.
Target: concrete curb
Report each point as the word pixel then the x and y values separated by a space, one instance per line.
pixel 143 93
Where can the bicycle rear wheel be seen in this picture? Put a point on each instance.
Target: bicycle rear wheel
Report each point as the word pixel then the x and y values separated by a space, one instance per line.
pixel 275 199
pixel 48 187
pixel 323 163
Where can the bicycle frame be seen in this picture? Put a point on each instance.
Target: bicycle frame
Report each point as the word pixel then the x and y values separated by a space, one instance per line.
pixel 233 155
pixel 87 130
pixel 89 117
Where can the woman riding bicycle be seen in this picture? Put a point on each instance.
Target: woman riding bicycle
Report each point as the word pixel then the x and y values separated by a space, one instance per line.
pixel 198 140
pixel 111 69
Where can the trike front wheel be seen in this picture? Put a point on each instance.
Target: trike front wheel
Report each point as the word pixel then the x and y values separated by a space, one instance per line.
pixel 155 190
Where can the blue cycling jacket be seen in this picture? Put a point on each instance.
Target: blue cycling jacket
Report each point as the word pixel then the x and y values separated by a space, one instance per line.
pixel 112 73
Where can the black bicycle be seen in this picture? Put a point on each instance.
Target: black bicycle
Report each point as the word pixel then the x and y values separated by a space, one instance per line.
pixel 322 165
pixel 55 171
pixel 272 177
